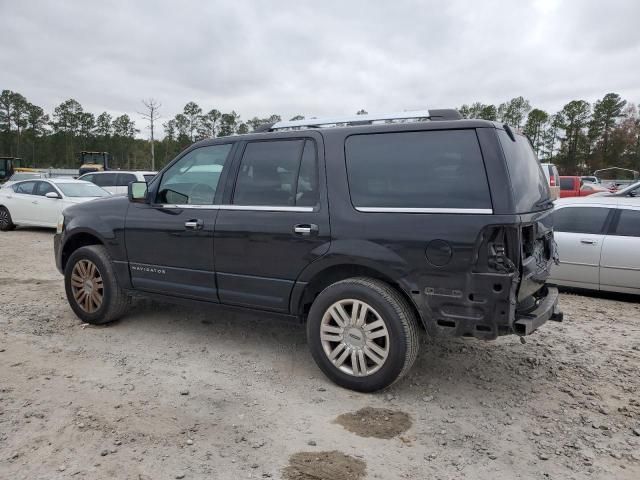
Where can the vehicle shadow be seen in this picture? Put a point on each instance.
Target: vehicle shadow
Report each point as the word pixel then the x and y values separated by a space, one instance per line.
pixel 452 366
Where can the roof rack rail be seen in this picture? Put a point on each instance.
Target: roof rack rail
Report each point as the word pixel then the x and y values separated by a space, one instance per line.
pixel 368 119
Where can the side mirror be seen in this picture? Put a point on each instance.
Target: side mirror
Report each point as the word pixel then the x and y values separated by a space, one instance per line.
pixel 52 195
pixel 137 192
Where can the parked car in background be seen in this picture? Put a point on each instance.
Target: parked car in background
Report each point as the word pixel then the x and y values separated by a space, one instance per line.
pixel 591 179
pixel 553 178
pixel 630 191
pixel 117 181
pixel 598 243
pixel 39 203
pixel 245 221
pixel 574 186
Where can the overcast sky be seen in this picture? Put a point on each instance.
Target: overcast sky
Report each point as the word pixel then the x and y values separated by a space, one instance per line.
pixel 320 57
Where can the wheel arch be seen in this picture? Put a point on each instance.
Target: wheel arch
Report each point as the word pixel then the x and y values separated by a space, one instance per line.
pixel 76 241
pixel 305 292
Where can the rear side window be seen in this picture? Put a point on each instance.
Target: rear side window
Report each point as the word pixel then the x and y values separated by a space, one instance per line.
pixel 528 183
pixel 124 179
pixel 24 187
pixel 628 223
pixel 580 219
pixel 435 169
pixel 566 184
pixel 278 173
pixel 105 180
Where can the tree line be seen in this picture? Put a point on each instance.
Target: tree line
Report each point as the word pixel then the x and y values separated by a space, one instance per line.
pixel 580 138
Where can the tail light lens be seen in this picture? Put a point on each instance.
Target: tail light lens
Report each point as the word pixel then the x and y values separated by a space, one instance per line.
pixel 552 181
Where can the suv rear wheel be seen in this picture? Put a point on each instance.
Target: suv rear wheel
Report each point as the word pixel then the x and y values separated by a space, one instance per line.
pixel 362 334
pixel 91 286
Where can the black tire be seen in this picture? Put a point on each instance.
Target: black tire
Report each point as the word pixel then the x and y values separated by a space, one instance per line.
pixel 388 305
pixel 6 223
pixel 114 300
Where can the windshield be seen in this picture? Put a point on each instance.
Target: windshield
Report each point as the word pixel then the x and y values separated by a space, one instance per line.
pixel 530 187
pixel 82 190
pixel 24 176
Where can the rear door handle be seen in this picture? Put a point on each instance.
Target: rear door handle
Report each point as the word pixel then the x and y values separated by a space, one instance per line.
pixel 194 224
pixel 586 241
pixel 305 229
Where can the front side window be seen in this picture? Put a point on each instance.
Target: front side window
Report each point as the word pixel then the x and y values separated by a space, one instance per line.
pixel 278 173
pixel 24 188
pixel 580 219
pixel 105 179
pixel 124 179
pixel 628 223
pixel 193 180
pixel 434 169
pixel 44 187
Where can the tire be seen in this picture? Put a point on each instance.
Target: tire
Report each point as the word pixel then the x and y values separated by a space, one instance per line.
pixel 89 269
pixel 376 366
pixel 6 223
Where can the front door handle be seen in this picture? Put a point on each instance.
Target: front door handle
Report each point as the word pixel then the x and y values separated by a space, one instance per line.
pixel 305 229
pixel 35 202
pixel 194 224
pixel 586 241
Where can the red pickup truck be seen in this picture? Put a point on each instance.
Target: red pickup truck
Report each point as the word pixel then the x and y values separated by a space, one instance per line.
pixel 577 187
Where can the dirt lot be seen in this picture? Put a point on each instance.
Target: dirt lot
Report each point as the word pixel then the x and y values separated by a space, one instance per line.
pixel 170 392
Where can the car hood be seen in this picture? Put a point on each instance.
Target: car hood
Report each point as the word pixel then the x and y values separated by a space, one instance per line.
pixel 82 199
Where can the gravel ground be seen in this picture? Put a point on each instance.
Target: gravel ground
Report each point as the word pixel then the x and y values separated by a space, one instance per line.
pixel 173 392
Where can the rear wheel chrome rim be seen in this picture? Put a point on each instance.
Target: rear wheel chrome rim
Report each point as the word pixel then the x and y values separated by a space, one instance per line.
pixel 354 337
pixel 4 218
pixel 87 285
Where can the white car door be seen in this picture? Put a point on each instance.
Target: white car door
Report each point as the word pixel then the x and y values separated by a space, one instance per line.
pixel 20 202
pixel 48 209
pixel 620 260
pixel 579 233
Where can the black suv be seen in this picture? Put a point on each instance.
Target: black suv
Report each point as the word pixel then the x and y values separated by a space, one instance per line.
pixel 368 229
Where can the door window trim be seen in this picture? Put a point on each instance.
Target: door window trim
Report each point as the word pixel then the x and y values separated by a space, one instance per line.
pixel 252 208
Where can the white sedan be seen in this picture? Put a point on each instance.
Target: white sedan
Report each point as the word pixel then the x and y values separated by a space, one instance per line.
pixel 39 203
pixel 598 243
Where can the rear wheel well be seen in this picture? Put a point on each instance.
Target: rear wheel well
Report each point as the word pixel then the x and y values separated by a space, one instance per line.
pixel 336 273
pixel 75 242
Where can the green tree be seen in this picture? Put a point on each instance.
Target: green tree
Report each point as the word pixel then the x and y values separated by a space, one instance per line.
pixel 192 113
pixel 362 111
pixel 104 125
pixel 514 111
pixel 229 123
pixel 242 128
pixel 296 117
pixel 208 125
pixel 574 149
pixel 535 127
pixel 606 112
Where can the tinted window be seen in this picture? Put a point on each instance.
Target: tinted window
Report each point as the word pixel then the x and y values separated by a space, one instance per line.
pixel 148 178
pixel 44 187
pixel 87 178
pixel 528 183
pixel 268 173
pixel 628 223
pixel 194 178
pixel 580 219
pixel 566 183
pixel 441 169
pixel 124 179
pixel 24 187
pixel 105 179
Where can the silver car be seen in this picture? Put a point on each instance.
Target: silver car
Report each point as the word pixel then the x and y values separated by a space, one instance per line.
pixel 598 243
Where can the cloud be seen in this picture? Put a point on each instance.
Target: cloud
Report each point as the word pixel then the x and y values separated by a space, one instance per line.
pixel 317 58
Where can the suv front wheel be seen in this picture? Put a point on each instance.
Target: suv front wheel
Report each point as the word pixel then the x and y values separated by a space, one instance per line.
pixel 362 334
pixel 92 287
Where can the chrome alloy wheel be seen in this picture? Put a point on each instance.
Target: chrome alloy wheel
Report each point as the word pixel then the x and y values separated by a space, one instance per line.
pixel 87 285
pixel 354 337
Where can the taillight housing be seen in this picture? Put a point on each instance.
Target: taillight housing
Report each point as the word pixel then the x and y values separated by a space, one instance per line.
pixel 552 181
